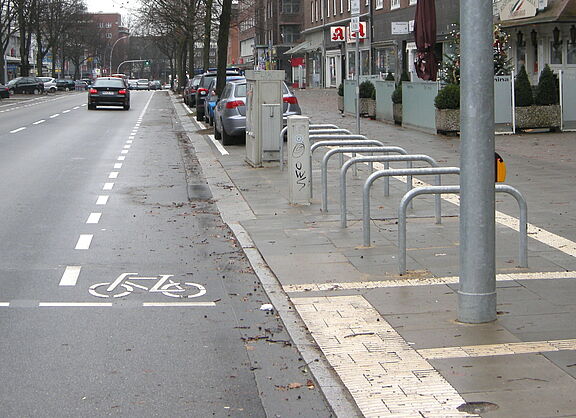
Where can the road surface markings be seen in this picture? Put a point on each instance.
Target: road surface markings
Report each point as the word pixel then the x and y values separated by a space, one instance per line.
pixel 70 276
pixel 94 218
pixel 218 145
pixel 118 165
pixel 17 130
pixel 131 137
pixel 76 107
pixel 113 175
pixel 108 186
pixel 55 115
pixel 385 376
pixel 505 349
pixel 176 304
pixel 102 200
pixel 74 304
pixel 39 122
pixel 66 111
pixel 124 151
pixel 84 242
pixel 129 141
pixel 187 108
pixel 127 146
pixel 83 105
pixel 121 158
pixel 423 281
pixel 5 304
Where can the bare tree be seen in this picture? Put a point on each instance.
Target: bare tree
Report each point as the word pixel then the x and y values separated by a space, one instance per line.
pixel 7 16
pixel 223 32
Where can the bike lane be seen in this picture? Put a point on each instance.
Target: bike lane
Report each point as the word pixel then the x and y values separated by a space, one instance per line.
pixel 172 326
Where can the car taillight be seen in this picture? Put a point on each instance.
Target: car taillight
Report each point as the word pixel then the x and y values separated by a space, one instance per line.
pixel 202 91
pixel 121 91
pixel 291 100
pixel 93 91
pixel 234 104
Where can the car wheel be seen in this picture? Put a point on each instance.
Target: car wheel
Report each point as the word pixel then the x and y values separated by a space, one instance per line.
pixel 127 107
pixel 226 139
pixel 211 120
pixel 199 115
pixel 91 107
pixel 217 133
pixel 36 91
pixel 67 89
pixel 11 92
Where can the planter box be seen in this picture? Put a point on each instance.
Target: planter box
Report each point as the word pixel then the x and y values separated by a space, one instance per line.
pixel 397 112
pixel 530 117
pixel 447 120
pixel 341 103
pixel 368 107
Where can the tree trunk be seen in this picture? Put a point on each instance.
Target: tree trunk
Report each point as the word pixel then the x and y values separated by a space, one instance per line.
pixel 2 68
pixel 223 32
pixel 207 37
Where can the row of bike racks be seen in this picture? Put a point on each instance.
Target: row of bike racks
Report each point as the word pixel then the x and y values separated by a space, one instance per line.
pixel 329 135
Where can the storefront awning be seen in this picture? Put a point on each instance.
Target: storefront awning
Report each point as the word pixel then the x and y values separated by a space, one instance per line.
pixel 303 47
pixel 557 11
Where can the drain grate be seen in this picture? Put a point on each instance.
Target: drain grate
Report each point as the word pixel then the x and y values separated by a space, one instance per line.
pixel 199 192
pixel 477 407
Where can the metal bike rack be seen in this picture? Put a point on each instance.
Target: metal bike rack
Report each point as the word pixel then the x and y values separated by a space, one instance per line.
pixel 342 142
pixel 500 188
pixel 387 159
pixel 341 150
pixel 395 172
pixel 321 127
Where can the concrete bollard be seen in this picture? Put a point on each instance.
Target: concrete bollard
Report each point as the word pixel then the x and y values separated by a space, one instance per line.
pixel 299 167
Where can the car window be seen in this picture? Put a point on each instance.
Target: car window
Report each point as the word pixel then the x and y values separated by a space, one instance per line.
pixel 240 90
pixel 108 83
pixel 285 89
pixel 226 91
pixel 207 80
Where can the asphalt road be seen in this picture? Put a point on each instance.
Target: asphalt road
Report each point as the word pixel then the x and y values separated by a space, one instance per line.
pixel 122 293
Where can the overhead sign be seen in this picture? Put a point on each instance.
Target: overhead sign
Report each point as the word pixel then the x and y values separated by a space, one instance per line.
pixel 337 33
pixel 355 24
pixel 400 28
pixel 517 9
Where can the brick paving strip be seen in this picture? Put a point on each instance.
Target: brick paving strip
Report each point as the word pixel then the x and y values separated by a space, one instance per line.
pixel 383 373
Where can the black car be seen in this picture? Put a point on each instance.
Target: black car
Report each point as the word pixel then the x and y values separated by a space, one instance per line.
pixel 202 91
pixel 65 85
pixel 31 85
pixel 109 91
pixel 4 92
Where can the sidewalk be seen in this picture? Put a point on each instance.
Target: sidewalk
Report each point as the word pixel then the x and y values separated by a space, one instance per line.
pixel 393 340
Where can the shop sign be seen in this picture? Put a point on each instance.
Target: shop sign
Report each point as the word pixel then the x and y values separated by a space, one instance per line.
pixel 400 28
pixel 517 9
pixel 337 33
pixel 351 36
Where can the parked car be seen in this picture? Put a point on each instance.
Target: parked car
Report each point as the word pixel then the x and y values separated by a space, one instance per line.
pixel 65 84
pixel 109 91
pixel 190 91
pixel 230 112
pixel 49 84
pixel 212 98
pixel 30 85
pixel 132 84
pixel 155 85
pixel 80 85
pixel 4 91
pixel 202 91
pixel 142 84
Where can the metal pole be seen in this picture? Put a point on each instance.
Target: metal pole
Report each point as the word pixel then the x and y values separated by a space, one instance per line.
pixel 357 74
pixel 112 50
pixel 477 292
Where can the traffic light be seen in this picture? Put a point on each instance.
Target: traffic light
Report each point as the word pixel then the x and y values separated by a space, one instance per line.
pixel 147 63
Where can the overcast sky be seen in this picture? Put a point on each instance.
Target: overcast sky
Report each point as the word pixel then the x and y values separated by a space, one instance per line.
pixel 111 6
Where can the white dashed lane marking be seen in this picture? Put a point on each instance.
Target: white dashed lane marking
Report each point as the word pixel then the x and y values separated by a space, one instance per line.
pixel 66 111
pixel 108 186
pixel 39 122
pixel 94 218
pixel 55 115
pixel 102 200
pixel 118 165
pixel 124 151
pixel 113 175
pixel 17 130
pixel 74 304
pixel 70 276
pixel 84 242
pixel 121 158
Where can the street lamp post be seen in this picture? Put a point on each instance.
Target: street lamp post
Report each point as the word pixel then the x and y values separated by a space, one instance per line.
pixel 112 50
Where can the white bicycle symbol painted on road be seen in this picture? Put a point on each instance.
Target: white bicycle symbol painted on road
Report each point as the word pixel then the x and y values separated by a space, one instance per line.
pixel 123 287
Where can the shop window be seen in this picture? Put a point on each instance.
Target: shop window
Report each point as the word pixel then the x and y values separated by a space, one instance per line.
pixel 290 6
pixel 379 4
pixel 395 4
pixel 555 54
pixel 571 53
pixel 289 34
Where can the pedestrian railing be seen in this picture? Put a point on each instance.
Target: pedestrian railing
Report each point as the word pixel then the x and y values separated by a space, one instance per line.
pixel 438 190
pixel 323 128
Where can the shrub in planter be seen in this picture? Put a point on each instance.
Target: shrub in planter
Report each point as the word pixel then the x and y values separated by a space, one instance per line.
pixel 397 94
pixel 523 89
pixel 546 93
pixel 389 76
pixel 367 90
pixel 448 97
pixel 341 90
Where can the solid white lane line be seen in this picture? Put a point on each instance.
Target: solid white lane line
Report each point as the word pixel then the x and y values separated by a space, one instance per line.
pixel 17 130
pixel 121 158
pixel 70 276
pixel 113 175
pixel 74 304
pixel 124 151
pixel 167 304
pixel 218 145
pixel 66 111
pixel 55 115
pixel 108 186
pixel 118 165
pixel 102 200
pixel 127 146
pixel 94 218
pixel 84 242
pixel 39 122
